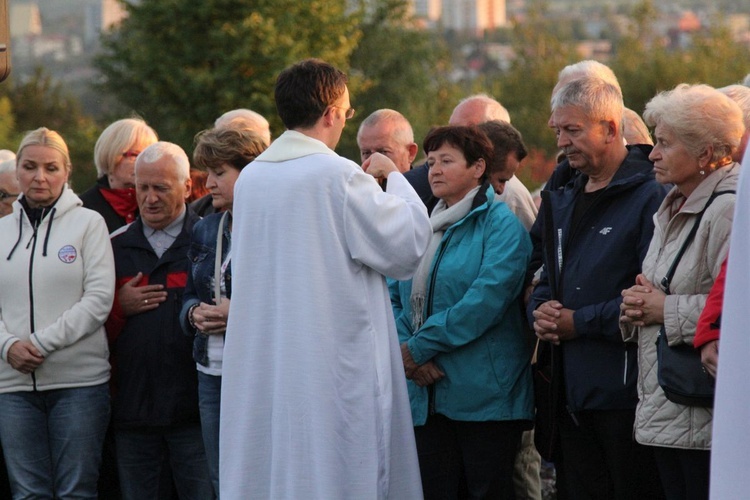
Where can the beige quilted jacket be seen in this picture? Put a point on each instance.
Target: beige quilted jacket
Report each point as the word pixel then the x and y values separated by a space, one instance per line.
pixel 660 422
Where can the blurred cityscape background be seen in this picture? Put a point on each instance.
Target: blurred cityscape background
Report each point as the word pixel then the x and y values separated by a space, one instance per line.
pixel 79 64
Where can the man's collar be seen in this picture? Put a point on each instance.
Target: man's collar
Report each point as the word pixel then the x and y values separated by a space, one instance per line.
pixel 292 145
pixel 173 229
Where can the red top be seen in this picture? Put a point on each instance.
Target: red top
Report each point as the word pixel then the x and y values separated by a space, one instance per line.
pixel 707 328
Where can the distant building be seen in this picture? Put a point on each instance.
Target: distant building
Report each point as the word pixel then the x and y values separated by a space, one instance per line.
pixel 473 16
pixel 430 10
pixel 25 20
pixel 100 17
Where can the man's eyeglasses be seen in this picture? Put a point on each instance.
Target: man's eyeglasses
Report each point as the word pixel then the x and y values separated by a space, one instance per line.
pixel 349 112
pixel 4 195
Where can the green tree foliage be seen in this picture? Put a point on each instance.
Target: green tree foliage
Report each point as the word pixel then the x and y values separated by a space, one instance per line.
pixel 42 102
pixel 646 64
pixel 525 88
pixel 399 67
pixel 180 63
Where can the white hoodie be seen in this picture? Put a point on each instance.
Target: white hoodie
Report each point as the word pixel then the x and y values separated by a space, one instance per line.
pixel 60 300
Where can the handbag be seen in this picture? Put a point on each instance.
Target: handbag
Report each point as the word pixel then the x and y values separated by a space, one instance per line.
pixel 680 372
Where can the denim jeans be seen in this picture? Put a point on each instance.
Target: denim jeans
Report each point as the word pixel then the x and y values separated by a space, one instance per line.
pixel 141 452
pixel 52 441
pixel 209 401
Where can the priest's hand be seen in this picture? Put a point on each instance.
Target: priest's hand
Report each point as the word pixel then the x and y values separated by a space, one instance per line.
pixel 211 319
pixel 409 365
pixel 135 299
pixel 427 374
pixel 379 166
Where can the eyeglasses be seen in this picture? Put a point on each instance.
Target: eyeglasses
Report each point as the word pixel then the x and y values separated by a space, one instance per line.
pixel 349 112
pixel 4 195
pixel 130 155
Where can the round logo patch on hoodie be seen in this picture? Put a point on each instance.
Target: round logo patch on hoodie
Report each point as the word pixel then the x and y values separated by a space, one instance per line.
pixel 68 254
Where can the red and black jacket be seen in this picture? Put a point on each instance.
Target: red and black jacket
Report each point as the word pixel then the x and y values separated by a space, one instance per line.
pixel 154 376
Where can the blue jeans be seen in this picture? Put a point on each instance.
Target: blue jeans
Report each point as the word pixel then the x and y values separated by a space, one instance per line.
pixel 209 401
pixel 52 441
pixel 141 452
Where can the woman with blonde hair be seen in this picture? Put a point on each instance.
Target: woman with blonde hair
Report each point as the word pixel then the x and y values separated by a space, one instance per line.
pixel 697 130
pixel 57 279
pixel 113 195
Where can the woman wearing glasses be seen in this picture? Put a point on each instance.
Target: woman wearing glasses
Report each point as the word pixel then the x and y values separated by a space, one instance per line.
pixel 113 195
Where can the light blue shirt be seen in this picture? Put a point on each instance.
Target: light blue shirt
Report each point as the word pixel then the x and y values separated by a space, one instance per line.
pixel 162 239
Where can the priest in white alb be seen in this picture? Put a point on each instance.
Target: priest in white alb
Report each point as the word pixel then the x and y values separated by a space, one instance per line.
pixel 314 402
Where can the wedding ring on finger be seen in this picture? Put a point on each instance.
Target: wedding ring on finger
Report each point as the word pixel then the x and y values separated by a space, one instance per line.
pixel 145 301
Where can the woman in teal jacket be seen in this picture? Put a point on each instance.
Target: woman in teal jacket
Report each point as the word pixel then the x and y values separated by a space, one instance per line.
pixel 459 320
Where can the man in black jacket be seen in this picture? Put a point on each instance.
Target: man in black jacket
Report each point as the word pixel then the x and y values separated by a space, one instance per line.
pixel 155 408
pixel 596 224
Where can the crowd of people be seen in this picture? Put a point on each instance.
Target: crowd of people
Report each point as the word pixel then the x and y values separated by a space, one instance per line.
pixel 318 328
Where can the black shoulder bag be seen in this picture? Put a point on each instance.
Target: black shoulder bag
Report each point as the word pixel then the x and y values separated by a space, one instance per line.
pixel 679 369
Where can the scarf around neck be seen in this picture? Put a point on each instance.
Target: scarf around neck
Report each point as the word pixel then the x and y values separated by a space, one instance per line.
pixel 442 218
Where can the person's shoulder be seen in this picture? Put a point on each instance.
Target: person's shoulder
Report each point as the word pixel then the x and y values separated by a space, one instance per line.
pixel 92 194
pixel 417 172
pixel 121 233
pixel 499 213
pixel 208 221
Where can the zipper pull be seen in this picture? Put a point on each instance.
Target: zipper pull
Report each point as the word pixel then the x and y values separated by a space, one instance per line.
pixel 572 415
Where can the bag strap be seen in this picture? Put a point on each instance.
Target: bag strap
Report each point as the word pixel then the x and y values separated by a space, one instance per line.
pixel 549 244
pixel 667 280
pixel 217 260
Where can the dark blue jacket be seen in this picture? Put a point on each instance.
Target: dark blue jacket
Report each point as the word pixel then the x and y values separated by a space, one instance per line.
pixel 600 258
pixel 154 378
pixel 202 255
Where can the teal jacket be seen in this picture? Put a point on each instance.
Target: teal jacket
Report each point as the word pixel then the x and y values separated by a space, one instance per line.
pixel 474 326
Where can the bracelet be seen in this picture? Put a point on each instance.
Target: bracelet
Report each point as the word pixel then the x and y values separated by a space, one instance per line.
pixel 191 320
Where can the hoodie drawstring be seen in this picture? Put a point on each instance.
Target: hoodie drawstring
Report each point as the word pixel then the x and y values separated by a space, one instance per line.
pixel 35 223
pixel 20 234
pixel 49 228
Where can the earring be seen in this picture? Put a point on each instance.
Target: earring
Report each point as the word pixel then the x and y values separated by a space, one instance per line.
pixel 702 172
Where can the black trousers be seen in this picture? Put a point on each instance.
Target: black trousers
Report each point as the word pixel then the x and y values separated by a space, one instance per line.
pixel 459 459
pixel 684 473
pixel 602 461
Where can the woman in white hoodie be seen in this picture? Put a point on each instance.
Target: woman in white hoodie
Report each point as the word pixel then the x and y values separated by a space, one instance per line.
pixel 56 290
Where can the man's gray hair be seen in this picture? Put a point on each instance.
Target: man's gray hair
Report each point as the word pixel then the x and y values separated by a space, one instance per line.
pixel 157 150
pixel 7 166
pixel 597 99
pixel 247 119
pixel 587 69
pixel 741 95
pixel 402 132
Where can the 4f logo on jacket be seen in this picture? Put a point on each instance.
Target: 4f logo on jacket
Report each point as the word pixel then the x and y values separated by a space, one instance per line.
pixel 605 231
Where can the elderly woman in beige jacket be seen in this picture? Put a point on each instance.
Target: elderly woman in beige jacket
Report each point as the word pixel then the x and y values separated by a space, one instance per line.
pixel 697 130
